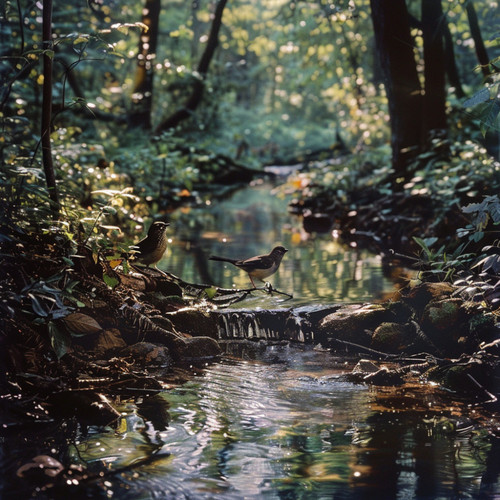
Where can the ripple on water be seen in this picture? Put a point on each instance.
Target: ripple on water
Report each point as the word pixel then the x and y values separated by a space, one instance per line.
pixel 286 429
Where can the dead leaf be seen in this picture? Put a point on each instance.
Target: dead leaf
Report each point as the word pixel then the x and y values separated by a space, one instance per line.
pixel 109 339
pixel 81 324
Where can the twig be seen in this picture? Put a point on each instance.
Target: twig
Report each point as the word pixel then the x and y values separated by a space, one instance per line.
pixel 269 289
pixel 493 399
pixel 359 346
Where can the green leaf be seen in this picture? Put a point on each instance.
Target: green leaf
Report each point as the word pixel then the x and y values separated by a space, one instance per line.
pixel 80 39
pixel 110 281
pixel 211 292
pixel 60 341
pixel 482 96
pixel 424 244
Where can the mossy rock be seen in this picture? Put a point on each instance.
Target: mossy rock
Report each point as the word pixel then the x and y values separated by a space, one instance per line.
pixel 420 294
pixel 445 324
pixel 393 338
pixel 350 323
pixel 457 377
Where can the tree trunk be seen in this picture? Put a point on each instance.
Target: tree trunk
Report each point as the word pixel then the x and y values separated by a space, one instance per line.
pixel 48 166
pixel 199 84
pixel 395 51
pixel 481 53
pixel 434 68
pixel 451 63
pixel 142 95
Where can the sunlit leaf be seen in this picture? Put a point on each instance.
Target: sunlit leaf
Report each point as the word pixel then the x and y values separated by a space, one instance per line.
pixel 110 281
pixel 211 292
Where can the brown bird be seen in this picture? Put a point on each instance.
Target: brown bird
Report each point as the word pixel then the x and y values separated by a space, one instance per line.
pixel 150 249
pixel 259 267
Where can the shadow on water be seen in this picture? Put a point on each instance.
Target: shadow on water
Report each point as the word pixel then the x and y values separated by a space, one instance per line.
pixel 285 424
pixel 271 421
pixel 317 268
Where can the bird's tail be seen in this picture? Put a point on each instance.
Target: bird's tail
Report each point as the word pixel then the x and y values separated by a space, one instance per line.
pixel 222 259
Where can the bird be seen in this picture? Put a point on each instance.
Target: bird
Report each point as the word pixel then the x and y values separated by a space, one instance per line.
pixel 260 266
pixel 150 249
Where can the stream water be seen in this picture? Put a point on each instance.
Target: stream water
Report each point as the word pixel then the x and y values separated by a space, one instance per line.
pixel 284 425
pixel 318 268
pixel 276 421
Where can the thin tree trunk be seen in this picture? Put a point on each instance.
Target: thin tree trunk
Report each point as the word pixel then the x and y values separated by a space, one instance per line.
pixel 199 84
pixel 451 63
pixel 48 165
pixel 397 60
pixel 481 53
pixel 434 67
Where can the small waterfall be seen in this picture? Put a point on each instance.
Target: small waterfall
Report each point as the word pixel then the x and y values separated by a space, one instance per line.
pixel 295 324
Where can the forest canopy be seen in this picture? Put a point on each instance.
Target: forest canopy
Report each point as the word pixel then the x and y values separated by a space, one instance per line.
pixel 138 89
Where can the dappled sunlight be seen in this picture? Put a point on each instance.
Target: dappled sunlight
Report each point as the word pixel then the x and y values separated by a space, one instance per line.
pixel 317 267
pixel 290 423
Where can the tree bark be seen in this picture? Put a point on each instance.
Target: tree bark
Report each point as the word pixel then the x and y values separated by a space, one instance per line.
pixel 434 68
pixel 48 165
pixel 481 53
pixel 397 60
pixel 451 64
pixel 142 95
pixel 199 83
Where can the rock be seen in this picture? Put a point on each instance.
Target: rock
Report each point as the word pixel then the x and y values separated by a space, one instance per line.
pixel 385 377
pixel 471 377
pixel 482 325
pixel 350 323
pixel 194 322
pixel 165 303
pixel 420 294
pixel 445 324
pixel 200 349
pixel 393 338
pixel 364 367
pixel 145 354
pixel 86 405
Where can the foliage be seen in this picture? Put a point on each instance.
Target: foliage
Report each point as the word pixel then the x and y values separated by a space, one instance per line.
pixel 486 101
pixel 289 79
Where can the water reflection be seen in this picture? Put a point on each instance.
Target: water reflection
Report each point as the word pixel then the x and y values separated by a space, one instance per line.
pixel 293 429
pixel 252 221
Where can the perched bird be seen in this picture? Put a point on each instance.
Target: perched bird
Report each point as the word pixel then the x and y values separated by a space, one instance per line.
pixel 150 249
pixel 259 267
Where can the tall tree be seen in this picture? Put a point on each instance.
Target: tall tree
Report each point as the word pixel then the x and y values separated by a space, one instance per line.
pixel 199 83
pixel 395 52
pixel 434 116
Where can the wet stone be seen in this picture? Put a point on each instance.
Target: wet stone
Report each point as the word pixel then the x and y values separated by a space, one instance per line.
pixel 145 354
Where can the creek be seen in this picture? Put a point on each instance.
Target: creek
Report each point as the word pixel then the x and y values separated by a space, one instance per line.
pixel 274 420
pixel 286 425
pixel 317 269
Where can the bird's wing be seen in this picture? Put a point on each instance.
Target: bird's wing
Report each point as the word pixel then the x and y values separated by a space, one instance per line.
pixel 259 262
